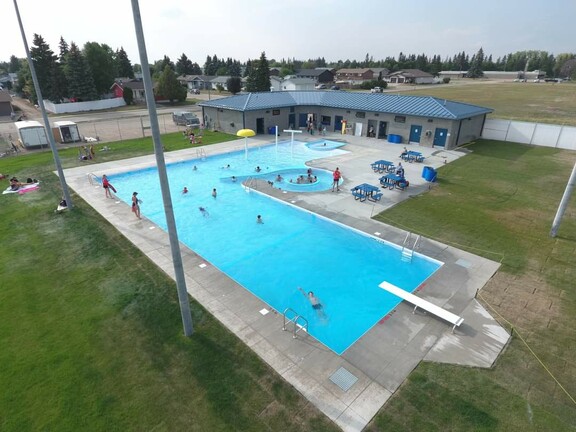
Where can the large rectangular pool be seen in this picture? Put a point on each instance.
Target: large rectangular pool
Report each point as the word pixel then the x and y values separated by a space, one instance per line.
pixel 292 248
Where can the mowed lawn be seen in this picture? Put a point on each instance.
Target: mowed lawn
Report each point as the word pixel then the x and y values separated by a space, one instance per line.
pixel 499 202
pixel 91 336
pixel 533 102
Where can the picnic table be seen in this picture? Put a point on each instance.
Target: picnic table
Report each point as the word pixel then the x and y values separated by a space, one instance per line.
pixel 366 191
pixel 412 156
pixel 381 166
pixel 392 181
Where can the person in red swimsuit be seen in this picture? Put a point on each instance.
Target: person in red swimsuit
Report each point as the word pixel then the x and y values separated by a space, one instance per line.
pixel 336 176
pixel 107 186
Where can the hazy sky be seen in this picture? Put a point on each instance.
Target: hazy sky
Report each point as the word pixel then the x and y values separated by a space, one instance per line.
pixel 333 29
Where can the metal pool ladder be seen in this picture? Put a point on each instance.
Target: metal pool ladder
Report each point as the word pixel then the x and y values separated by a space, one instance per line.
pixel 297 327
pixel 250 183
pixel 93 179
pixel 201 153
pixel 407 251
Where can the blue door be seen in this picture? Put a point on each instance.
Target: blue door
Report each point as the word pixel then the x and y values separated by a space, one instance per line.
pixel 291 121
pixel 440 137
pixel 338 123
pixel 302 119
pixel 415 132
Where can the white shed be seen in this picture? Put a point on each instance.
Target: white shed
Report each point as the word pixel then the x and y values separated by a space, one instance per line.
pixel 66 132
pixel 32 134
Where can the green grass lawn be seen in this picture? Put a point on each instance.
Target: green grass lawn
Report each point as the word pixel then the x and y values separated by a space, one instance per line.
pixel 91 337
pixel 532 102
pixel 499 202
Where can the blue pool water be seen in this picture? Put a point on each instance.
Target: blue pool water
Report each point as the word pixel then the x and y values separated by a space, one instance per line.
pixel 293 248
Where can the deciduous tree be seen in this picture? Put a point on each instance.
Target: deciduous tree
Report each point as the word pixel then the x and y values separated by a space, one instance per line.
pixel 100 59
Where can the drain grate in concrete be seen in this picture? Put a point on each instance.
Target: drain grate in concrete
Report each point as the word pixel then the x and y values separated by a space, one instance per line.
pixel 343 379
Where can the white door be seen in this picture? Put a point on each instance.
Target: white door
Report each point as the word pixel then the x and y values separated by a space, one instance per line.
pixel 358 129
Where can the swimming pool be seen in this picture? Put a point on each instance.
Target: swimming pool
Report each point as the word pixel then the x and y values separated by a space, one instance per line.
pixel 293 248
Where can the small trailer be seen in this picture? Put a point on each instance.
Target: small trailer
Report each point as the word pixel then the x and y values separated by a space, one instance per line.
pixel 66 132
pixel 32 134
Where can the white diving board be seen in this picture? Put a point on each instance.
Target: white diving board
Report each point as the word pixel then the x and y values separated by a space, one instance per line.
pixel 419 302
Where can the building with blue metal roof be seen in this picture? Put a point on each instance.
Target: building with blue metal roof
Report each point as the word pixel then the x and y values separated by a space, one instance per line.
pixel 423 120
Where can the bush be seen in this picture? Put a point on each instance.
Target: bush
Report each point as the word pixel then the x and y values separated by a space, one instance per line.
pixel 446 80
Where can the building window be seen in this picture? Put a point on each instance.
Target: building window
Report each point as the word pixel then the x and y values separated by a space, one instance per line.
pixel 400 119
pixel 275 112
pixel 360 115
pixel 326 120
pixel 291 109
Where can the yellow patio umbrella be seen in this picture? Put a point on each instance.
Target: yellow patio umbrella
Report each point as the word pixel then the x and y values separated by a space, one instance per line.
pixel 245 133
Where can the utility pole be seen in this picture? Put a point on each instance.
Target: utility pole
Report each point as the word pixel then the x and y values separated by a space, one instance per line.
pixel 49 134
pixel 564 202
pixel 161 164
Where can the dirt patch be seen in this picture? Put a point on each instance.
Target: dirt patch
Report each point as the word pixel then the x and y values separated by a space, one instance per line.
pixel 524 300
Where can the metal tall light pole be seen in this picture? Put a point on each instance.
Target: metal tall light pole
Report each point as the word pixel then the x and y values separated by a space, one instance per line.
pixel 161 164
pixel 63 184
pixel 564 203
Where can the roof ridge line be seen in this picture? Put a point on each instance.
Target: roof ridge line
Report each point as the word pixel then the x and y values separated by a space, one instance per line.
pixel 247 100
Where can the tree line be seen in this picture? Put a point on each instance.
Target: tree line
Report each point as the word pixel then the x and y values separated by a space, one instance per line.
pixel 88 73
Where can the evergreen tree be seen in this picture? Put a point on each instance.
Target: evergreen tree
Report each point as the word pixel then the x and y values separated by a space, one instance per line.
pixel 14 65
pixel 234 84
pixel 64 49
pixel 169 87
pixel 123 64
pixel 184 65
pixel 80 82
pixel 259 78
pixel 128 95
pixel 102 64
pixel 44 61
pixel 196 69
pixel 58 84
pixel 248 70
pixel 235 69
pixel 160 65
pixel 475 69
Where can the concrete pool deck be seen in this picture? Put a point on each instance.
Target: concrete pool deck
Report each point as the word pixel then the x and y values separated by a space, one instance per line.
pixel 351 388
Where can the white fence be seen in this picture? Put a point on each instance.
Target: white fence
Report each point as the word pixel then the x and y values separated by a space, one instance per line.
pixel 84 106
pixel 540 134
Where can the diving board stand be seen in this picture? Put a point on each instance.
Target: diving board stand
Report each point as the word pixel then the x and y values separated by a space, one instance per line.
pixel 419 302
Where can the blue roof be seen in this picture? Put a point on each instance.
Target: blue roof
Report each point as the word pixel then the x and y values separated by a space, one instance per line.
pixel 422 106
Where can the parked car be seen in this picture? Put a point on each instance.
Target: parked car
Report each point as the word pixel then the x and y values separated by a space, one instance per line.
pixel 376 90
pixel 194 91
pixel 321 87
pixel 334 88
pixel 185 118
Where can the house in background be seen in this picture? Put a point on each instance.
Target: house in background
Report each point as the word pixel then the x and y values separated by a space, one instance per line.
pixel 320 76
pixel 197 82
pixel 223 81
pixel 136 85
pixel 5 103
pixel 354 76
pixel 291 83
pixel 298 83
pixel 409 76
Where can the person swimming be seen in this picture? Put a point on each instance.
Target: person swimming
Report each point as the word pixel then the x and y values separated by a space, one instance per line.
pixel 203 211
